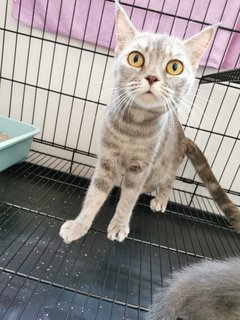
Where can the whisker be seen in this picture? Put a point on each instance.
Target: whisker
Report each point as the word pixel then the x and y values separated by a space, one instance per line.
pixel 120 102
pixel 107 92
pixel 190 113
pixel 175 108
pixel 191 106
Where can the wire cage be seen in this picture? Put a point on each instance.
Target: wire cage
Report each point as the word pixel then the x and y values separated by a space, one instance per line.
pixel 56 62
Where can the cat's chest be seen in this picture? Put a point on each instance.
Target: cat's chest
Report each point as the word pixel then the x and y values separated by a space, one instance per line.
pixel 134 152
pixel 129 132
pixel 131 141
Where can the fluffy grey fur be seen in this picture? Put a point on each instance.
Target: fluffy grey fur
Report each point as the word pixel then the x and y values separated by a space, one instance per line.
pixel 206 291
pixel 142 137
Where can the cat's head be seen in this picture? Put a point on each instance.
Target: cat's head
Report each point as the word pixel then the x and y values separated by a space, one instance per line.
pixel 155 70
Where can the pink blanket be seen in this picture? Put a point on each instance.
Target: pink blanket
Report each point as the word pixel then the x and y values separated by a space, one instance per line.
pixel 93 21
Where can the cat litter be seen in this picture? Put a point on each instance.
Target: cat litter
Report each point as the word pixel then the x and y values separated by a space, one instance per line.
pixel 4 137
pixel 15 145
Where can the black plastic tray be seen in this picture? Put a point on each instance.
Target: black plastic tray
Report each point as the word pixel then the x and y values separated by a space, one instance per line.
pixel 93 278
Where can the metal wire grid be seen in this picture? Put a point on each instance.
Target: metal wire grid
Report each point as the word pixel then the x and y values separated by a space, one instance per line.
pixel 42 278
pixel 232 76
pixel 90 109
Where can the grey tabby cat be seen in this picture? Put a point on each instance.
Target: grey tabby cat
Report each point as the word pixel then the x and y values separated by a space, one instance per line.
pixel 205 291
pixel 141 134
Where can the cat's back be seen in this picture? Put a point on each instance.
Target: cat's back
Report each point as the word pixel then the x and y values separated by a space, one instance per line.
pixel 222 273
pixel 208 290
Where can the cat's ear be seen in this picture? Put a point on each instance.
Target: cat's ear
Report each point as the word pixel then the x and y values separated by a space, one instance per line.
pixel 125 31
pixel 198 44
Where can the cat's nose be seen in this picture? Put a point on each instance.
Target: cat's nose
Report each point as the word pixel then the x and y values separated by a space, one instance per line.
pixel 151 79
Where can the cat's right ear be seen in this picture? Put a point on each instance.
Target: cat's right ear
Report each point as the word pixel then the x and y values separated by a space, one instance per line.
pixel 198 44
pixel 125 31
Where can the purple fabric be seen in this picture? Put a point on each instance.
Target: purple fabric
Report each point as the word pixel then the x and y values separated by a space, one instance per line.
pixel 93 21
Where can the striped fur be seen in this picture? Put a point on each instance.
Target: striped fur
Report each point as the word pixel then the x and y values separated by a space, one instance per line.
pixel 203 169
pixel 141 135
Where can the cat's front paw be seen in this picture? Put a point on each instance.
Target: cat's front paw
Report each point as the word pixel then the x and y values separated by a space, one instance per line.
pixel 117 230
pixel 72 230
pixel 159 204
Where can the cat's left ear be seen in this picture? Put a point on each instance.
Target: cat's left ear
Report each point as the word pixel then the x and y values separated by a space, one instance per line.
pixel 198 44
pixel 125 31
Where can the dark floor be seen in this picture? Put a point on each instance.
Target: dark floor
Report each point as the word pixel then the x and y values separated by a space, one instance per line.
pixel 93 278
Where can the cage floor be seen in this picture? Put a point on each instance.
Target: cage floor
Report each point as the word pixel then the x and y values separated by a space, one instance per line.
pixel 93 278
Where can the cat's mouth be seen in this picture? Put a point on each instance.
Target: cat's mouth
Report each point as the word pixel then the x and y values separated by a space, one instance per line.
pixel 148 100
pixel 149 93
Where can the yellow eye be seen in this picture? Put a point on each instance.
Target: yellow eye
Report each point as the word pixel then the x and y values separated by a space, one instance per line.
pixel 136 59
pixel 174 67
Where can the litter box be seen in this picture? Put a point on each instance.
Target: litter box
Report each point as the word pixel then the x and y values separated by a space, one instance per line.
pixel 17 147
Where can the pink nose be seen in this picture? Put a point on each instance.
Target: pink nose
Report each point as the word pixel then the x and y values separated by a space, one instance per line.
pixel 151 79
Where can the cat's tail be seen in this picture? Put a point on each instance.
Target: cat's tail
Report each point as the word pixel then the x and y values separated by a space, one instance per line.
pixel 202 167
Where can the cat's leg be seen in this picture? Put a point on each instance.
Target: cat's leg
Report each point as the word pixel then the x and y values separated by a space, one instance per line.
pixel 160 180
pixel 133 181
pixel 163 189
pixel 159 203
pixel 101 184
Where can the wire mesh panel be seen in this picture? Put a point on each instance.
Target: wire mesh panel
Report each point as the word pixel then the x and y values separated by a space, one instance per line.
pixel 43 278
pixel 62 84
pixel 56 72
